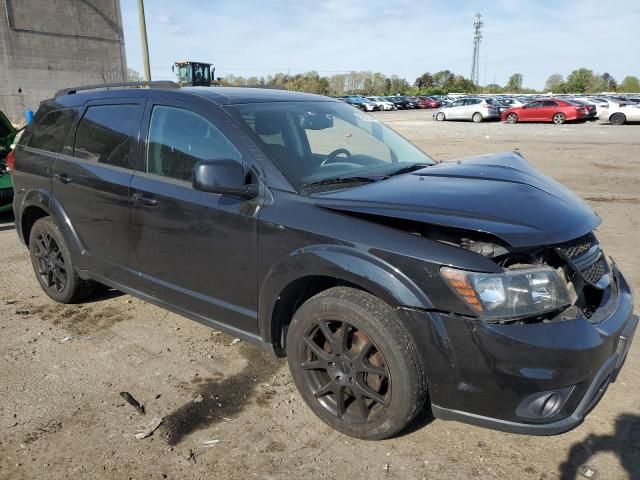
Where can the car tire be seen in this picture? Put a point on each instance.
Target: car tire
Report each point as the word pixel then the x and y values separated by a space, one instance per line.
pixel 477 117
pixel 512 118
pixel 355 364
pixel 52 264
pixel 559 118
pixel 440 116
pixel 618 119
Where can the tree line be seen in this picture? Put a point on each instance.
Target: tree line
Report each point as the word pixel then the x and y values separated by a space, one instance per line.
pixel 443 82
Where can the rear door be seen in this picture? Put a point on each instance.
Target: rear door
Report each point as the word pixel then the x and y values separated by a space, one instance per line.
pixel 92 183
pixel 547 110
pixel 196 251
pixel 471 106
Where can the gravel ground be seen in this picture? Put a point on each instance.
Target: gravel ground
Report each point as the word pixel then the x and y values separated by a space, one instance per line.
pixel 63 367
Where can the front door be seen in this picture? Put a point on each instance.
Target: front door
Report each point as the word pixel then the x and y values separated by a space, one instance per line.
pixel 455 109
pixel 92 184
pixel 195 251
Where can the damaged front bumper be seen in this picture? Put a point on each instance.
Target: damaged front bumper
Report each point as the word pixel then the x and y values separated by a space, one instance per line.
pixel 536 379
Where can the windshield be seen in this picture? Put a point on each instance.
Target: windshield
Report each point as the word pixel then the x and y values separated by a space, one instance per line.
pixel 313 142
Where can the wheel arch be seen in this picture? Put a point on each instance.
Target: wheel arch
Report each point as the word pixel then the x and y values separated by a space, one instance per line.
pixel 37 204
pixel 311 270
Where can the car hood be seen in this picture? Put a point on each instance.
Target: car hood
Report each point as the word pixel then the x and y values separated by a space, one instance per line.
pixel 500 194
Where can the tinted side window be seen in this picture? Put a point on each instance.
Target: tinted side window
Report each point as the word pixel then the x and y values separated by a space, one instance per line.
pixel 549 103
pixel 534 104
pixel 179 138
pixel 52 130
pixel 107 133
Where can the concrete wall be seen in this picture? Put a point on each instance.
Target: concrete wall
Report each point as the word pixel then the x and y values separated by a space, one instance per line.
pixel 46 45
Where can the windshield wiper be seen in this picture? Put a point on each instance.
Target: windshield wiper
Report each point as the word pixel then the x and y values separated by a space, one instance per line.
pixel 339 181
pixel 408 169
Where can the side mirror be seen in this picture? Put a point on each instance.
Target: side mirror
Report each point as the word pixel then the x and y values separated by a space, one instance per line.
pixel 224 176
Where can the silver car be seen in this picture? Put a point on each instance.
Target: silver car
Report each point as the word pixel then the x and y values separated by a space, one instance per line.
pixel 470 108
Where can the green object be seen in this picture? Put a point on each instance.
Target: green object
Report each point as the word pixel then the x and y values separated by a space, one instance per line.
pixel 7 135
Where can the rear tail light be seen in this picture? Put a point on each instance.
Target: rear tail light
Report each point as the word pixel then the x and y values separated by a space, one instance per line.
pixel 11 161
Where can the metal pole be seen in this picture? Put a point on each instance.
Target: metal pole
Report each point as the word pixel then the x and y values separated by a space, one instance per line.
pixel 143 38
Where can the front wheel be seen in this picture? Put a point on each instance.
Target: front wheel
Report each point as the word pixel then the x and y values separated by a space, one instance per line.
pixel 355 364
pixel 617 119
pixel 477 117
pixel 512 118
pixel 440 116
pixel 559 118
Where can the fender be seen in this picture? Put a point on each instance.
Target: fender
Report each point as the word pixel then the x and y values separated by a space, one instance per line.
pixel 355 266
pixel 47 202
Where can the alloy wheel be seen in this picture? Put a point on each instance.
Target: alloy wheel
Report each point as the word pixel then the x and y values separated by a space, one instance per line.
pixel 50 262
pixel 512 118
pixel 558 118
pixel 345 371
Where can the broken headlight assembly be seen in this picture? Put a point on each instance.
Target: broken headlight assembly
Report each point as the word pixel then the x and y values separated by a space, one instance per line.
pixel 509 295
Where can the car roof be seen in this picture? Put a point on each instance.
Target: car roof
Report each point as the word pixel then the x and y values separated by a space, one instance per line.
pixel 217 95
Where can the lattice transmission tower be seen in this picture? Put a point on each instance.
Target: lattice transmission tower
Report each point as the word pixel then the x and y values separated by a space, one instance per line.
pixel 477 36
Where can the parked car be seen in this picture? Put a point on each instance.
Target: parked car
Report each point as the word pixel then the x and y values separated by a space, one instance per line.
pixel 470 108
pixel 400 103
pixel 620 115
pixel 513 102
pixel 428 102
pixel 361 103
pixel 545 110
pixel 415 101
pixel 7 135
pixel 300 224
pixel 381 103
pixel 589 107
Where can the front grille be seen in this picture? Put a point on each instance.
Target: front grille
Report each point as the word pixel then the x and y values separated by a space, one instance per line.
pixel 578 247
pixel 584 257
pixel 595 271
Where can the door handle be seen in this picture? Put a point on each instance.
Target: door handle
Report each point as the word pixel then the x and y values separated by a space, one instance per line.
pixel 62 178
pixel 149 202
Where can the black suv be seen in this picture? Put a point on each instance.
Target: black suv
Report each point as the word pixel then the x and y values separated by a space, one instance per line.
pixel 308 227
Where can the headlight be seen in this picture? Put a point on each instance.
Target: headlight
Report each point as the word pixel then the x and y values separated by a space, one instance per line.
pixel 509 295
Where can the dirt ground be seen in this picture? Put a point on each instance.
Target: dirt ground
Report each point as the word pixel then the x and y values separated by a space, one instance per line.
pixel 63 367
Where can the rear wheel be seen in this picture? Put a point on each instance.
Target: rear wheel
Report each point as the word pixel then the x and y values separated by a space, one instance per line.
pixel 512 118
pixel 559 118
pixel 440 116
pixel 355 364
pixel 477 117
pixel 52 264
pixel 617 119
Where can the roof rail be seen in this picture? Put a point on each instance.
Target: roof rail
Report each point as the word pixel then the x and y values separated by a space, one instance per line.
pixel 107 86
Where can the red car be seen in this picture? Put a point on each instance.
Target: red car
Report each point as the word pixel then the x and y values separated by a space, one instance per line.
pixel 548 110
pixel 428 102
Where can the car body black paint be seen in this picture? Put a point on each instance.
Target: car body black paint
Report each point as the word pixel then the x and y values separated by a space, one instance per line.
pixel 225 261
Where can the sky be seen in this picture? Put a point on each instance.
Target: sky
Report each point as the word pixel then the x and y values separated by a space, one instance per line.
pixel 405 37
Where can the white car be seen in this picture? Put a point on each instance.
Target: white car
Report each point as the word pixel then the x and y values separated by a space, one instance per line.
pixel 469 108
pixel 382 103
pixel 620 115
pixel 600 103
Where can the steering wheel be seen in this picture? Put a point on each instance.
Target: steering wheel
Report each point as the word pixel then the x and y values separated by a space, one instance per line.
pixel 334 154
